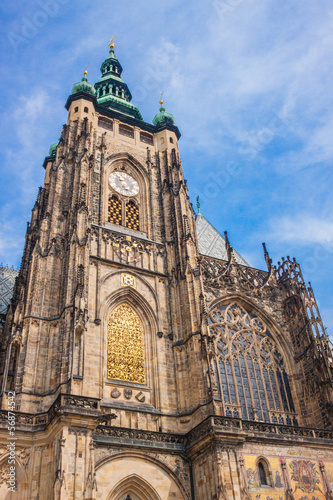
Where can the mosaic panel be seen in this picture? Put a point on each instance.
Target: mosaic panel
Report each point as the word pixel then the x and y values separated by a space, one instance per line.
pixel 305 479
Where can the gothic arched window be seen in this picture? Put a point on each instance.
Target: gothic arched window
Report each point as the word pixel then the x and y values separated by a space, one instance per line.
pixel 249 366
pixel 132 216
pixel 115 210
pixel 262 474
pixel 125 346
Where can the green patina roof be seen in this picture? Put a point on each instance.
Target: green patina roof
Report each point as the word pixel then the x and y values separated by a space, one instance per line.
pixel 162 118
pixel 83 86
pixel 111 91
pixel 112 97
pixel 53 149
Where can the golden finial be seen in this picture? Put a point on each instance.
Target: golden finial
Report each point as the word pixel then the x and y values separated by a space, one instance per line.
pixel 161 100
pixel 85 71
pixel 112 45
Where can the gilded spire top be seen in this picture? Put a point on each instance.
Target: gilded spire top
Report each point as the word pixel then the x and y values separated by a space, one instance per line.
pixel 112 44
pixel 161 100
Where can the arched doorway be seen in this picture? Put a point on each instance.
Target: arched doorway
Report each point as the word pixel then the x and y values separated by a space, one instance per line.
pixel 134 487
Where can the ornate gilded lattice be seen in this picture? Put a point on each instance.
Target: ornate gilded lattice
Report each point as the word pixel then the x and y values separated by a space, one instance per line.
pixel 249 365
pixel 132 216
pixel 114 210
pixel 125 346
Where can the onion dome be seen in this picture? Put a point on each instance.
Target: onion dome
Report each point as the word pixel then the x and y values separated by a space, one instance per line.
pixel 83 86
pixel 111 91
pixel 162 118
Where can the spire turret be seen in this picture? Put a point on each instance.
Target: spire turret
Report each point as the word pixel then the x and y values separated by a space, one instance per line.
pixel 162 118
pixel 111 91
pixel 83 85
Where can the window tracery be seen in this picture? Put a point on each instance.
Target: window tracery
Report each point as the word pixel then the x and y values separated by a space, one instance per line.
pixel 125 346
pixel 249 366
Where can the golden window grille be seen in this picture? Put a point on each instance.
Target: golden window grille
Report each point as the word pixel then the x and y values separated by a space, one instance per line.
pixel 132 216
pixel 125 346
pixel 114 210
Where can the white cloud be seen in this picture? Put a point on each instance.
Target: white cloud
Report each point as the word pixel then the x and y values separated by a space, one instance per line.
pixel 303 229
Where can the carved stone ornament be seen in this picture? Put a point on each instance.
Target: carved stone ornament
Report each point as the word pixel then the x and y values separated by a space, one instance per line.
pixel 115 393
pixel 128 393
pixel 128 280
pixel 141 397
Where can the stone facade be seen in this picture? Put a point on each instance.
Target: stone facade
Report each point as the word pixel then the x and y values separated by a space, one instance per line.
pixel 233 397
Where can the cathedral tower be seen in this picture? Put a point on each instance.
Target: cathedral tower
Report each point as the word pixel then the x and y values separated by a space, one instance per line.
pixel 144 358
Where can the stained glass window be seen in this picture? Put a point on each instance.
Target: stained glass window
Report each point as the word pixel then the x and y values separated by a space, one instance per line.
pixel 250 367
pixel 114 210
pixel 132 216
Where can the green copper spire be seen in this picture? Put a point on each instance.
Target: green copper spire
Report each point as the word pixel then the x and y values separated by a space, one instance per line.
pixel 198 205
pixel 111 91
pixel 83 85
pixel 162 118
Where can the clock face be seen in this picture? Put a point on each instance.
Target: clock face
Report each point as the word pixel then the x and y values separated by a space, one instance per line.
pixel 123 184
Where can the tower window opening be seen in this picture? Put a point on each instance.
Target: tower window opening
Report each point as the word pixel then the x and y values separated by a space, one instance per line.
pixel 115 210
pixel 127 131
pixel 76 109
pixel 132 216
pixel 107 124
pixel 171 140
pixel 147 138
pixel 86 110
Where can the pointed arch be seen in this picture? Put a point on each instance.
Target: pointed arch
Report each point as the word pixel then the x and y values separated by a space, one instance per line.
pixel 252 307
pixel 131 208
pixel 135 487
pixel 143 308
pixel 131 470
pixel 264 472
pixel 249 364
pixel 21 479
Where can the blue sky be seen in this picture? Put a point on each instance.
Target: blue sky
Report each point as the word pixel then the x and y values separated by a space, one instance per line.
pixel 249 83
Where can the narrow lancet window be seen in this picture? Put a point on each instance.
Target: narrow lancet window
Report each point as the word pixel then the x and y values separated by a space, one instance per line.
pixel 114 210
pixel 262 474
pixel 132 216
